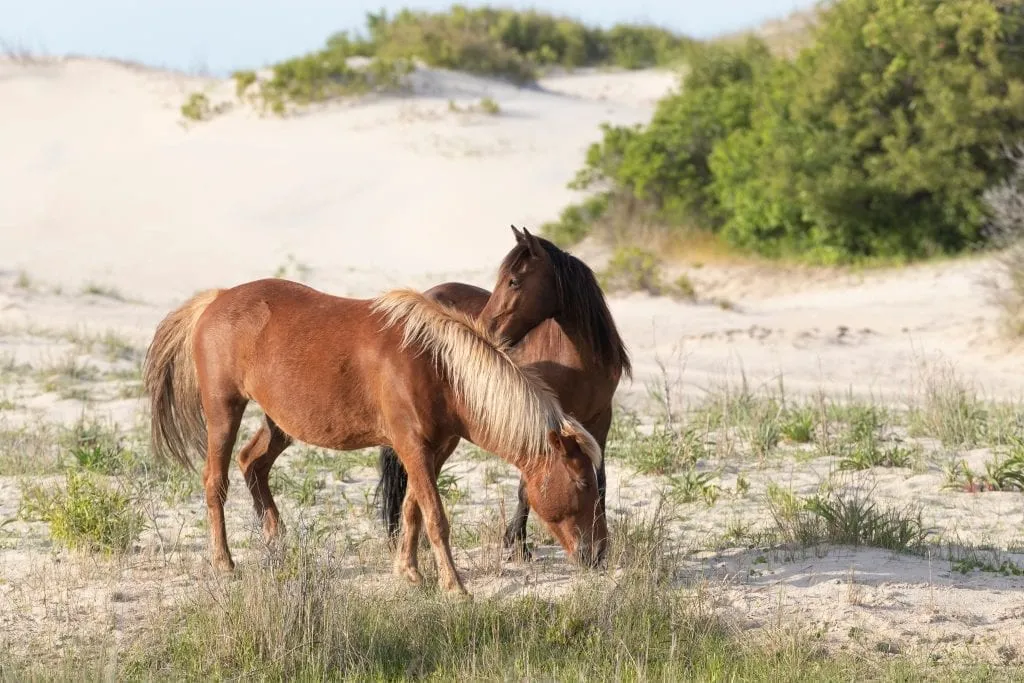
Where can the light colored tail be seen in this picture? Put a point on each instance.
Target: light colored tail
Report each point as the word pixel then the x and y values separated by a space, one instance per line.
pixel 171 382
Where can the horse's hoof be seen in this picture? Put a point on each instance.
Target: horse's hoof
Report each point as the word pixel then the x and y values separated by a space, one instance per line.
pixel 273 536
pixel 224 566
pixel 410 574
pixel 519 553
pixel 458 594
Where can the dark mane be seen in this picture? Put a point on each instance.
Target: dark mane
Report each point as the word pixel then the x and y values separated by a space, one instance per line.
pixel 582 303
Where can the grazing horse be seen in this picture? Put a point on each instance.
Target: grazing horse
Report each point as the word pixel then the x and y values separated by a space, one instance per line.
pixel 549 305
pixel 400 370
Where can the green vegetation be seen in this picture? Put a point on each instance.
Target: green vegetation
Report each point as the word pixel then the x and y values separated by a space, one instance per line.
pixel 845 517
pixel 295 616
pixel 88 513
pixel 486 41
pixel 877 142
pixel 486 105
pixel 514 44
pixel 106 291
pixel 199 108
pixel 636 269
pixel 1001 474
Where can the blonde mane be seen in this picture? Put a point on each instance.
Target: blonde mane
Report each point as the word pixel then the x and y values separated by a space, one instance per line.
pixel 514 406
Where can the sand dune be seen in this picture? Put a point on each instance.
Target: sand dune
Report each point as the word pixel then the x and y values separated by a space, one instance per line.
pixel 104 187
pixel 104 184
pixel 365 195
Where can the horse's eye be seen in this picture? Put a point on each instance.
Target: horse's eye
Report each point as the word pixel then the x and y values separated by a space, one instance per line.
pixel 513 283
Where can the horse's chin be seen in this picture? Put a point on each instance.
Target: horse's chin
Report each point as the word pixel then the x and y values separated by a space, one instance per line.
pixel 586 555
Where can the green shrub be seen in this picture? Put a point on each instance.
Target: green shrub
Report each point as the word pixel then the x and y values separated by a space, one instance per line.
pixel 197 107
pixel 243 79
pixel 484 41
pixel 326 75
pixel 87 514
pixel 576 221
pixel 488 106
pixel 876 142
pixel 886 131
pixel 665 164
pixel 632 269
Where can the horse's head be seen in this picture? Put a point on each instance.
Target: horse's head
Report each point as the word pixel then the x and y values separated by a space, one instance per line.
pixel 563 492
pixel 526 292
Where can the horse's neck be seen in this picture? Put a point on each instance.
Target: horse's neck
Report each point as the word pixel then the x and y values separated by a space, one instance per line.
pixel 478 435
pixel 556 341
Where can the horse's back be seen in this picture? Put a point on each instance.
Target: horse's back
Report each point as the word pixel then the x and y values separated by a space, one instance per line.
pixel 469 299
pixel 299 353
pixel 270 315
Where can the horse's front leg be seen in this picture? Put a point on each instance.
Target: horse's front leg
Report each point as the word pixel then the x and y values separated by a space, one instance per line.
pixel 420 464
pixel 515 533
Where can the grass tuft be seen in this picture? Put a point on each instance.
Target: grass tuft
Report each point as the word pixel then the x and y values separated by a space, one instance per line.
pixel 87 514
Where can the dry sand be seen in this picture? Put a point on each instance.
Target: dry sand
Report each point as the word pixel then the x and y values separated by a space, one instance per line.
pixel 105 188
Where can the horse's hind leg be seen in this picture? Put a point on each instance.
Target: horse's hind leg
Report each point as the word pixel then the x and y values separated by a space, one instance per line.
pixel 223 416
pixel 255 461
pixel 406 562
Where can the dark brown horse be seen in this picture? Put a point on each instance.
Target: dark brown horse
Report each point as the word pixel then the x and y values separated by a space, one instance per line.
pixel 549 305
pixel 400 370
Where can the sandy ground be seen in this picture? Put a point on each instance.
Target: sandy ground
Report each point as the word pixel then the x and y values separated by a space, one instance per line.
pixel 112 211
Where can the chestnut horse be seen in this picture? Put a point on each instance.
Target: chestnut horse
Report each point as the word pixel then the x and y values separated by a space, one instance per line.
pixel 549 305
pixel 399 370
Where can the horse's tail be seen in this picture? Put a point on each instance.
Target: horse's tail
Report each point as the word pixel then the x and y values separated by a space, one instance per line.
pixel 394 481
pixel 170 380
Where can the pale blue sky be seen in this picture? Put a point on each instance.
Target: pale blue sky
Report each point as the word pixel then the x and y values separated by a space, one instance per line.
pixel 222 35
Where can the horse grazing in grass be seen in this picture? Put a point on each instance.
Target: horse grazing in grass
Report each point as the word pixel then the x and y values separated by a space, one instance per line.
pixel 400 370
pixel 549 305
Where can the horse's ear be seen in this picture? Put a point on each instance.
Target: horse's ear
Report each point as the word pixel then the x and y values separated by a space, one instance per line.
pixel 555 441
pixel 519 235
pixel 533 244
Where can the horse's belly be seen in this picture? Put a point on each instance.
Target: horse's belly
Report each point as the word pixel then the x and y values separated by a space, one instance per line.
pixel 336 427
pixel 330 413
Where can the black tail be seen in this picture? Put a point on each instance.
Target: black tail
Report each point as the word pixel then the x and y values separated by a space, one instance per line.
pixel 391 490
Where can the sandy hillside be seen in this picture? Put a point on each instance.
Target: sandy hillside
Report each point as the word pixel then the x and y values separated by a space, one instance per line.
pixel 112 211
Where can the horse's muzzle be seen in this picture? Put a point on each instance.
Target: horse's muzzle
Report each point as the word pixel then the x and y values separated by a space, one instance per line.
pixel 590 555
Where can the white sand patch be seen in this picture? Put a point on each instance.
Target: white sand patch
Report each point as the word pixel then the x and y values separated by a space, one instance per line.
pixel 104 189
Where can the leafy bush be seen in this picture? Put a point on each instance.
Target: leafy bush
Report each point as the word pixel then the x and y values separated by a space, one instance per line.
pixel 198 108
pixel 243 79
pixel 327 75
pixel 876 142
pixel 515 44
pixel 485 41
pixel 885 131
pixel 665 164
pixel 576 221
pixel 633 269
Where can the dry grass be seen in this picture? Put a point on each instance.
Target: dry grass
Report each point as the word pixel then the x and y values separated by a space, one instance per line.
pixel 324 606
